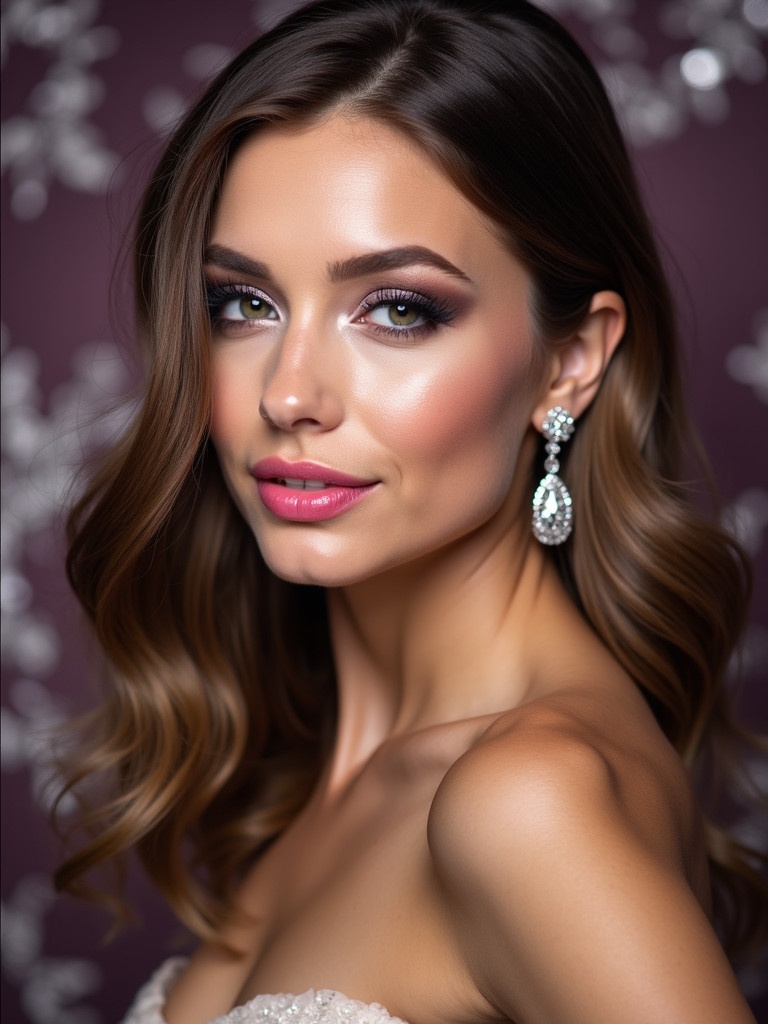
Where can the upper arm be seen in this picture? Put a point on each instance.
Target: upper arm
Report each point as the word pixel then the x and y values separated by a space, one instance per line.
pixel 564 912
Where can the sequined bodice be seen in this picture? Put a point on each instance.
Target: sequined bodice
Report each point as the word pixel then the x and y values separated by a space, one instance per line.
pixel 313 1007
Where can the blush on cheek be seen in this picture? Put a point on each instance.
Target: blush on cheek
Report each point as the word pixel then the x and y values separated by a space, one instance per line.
pixel 472 408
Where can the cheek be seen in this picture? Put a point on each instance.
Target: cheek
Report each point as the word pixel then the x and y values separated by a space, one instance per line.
pixel 471 414
pixel 233 402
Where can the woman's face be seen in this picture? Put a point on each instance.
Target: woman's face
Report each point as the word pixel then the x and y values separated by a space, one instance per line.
pixel 374 370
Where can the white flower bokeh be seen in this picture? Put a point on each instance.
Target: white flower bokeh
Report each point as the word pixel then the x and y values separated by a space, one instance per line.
pixel 53 139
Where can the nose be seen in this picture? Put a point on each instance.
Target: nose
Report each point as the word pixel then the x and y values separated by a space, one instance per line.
pixel 302 388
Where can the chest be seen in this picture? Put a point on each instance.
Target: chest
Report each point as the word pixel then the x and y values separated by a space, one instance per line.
pixel 348 899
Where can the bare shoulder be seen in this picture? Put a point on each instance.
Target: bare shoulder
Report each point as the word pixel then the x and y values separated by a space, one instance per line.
pixel 567 762
pixel 562 841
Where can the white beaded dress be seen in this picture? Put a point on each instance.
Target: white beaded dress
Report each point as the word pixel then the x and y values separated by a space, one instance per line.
pixel 321 1006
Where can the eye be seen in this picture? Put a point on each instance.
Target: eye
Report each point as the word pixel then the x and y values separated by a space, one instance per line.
pixel 397 314
pixel 404 315
pixel 247 307
pixel 232 307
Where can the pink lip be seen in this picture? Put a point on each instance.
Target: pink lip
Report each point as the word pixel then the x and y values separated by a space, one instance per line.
pixel 311 506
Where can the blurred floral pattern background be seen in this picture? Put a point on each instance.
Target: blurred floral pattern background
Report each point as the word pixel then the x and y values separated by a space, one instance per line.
pixel 90 90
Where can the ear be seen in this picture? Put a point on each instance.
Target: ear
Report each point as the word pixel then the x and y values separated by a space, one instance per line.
pixel 578 365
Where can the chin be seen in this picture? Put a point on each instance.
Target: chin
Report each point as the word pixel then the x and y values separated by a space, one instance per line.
pixel 314 569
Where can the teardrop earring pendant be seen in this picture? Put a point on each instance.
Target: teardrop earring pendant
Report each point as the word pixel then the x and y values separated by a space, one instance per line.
pixel 552 503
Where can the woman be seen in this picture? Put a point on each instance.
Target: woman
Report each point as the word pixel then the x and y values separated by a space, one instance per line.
pixel 385 730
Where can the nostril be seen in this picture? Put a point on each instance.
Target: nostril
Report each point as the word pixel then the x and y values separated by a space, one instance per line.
pixel 307 421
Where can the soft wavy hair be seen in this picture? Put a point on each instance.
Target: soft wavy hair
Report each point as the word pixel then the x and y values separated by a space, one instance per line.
pixel 220 705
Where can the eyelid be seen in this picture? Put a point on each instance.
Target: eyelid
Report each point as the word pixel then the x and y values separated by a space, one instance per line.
pixel 437 310
pixel 217 293
pixel 233 289
pixel 398 293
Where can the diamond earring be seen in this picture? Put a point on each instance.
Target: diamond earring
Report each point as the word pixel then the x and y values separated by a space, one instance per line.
pixel 552 504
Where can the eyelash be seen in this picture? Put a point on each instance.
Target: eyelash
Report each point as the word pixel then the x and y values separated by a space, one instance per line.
pixel 218 295
pixel 435 312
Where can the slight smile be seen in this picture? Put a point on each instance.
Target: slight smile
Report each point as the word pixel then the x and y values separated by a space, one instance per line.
pixel 304 492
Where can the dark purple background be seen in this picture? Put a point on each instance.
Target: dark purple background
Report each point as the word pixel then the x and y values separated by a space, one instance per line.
pixel 706 187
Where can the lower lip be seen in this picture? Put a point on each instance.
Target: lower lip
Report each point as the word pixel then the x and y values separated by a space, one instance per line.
pixel 309 506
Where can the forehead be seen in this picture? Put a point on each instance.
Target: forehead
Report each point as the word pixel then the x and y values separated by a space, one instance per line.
pixel 348 185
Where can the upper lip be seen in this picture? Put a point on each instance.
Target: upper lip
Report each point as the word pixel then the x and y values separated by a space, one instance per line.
pixel 274 468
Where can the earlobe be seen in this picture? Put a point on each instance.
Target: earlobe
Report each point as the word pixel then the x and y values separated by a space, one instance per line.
pixel 580 363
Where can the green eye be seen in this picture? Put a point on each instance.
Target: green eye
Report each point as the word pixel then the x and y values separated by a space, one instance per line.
pixel 403 315
pixel 397 314
pixel 250 307
pixel 232 307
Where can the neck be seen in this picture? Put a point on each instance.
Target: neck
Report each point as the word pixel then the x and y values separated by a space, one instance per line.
pixel 451 637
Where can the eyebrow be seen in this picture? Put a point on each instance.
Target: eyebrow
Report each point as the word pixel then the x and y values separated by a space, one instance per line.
pixel 391 259
pixel 228 259
pixel 341 270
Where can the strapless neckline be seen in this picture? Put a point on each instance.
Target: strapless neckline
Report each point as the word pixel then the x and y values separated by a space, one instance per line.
pixel 315 1006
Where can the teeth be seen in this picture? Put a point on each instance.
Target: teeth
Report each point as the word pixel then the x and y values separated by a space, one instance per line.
pixel 303 485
